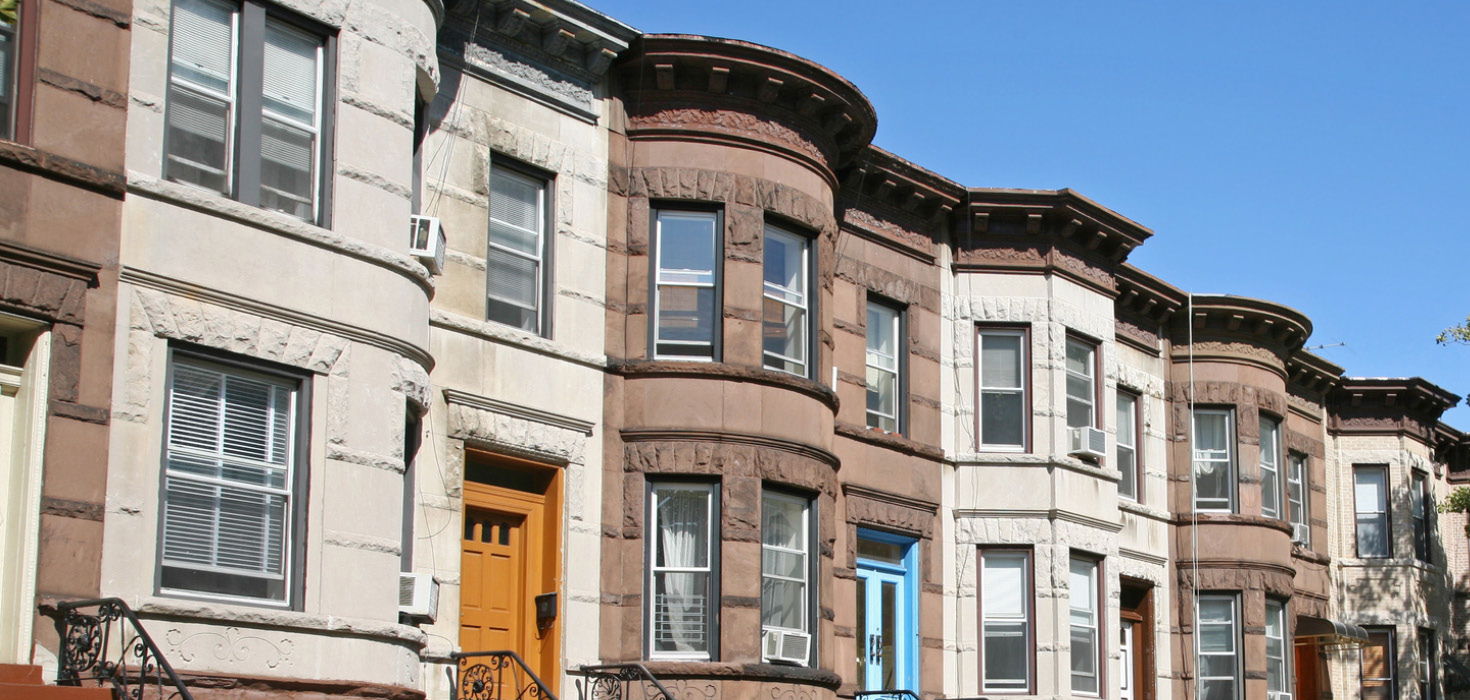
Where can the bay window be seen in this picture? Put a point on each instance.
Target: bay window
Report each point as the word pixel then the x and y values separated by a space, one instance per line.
pixel 232 479
pixel 787 302
pixel 1214 460
pixel 786 567
pixel 1130 483
pixel 683 551
pixel 247 106
pixel 885 381
pixel 1270 467
pixel 518 247
pixel 686 296
pixel 1218 645
pixel 1081 383
pixel 1083 605
pixel 1370 500
pixel 1001 402
pixel 1006 645
pixel 1278 678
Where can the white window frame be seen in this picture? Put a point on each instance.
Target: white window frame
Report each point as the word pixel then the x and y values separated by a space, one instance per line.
pixel 805 554
pixel 1281 660
pixel 314 128
pixel 889 365
pixel 710 569
pixel 1225 458
pixel 1023 369
pixel 1235 642
pixel 1379 510
pixel 1296 481
pixel 293 481
pixel 543 187
pixel 1126 442
pixel 1270 464
pixel 990 620
pixel 799 299
pixel 1090 399
pixel 1088 619
pixel 669 277
pixel 228 97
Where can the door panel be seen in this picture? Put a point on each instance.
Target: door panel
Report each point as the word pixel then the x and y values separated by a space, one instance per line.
pixel 492 570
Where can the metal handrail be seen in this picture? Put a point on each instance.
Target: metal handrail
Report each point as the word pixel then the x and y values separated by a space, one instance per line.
pixel 486 680
pixel 88 641
pixel 611 681
pixel 895 693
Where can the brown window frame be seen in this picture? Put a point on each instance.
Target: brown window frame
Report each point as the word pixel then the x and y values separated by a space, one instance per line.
pixel 23 108
pixel 1024 331
pixel 1029 596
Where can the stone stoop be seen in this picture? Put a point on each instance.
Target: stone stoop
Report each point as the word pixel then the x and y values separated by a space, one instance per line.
pixel 21 682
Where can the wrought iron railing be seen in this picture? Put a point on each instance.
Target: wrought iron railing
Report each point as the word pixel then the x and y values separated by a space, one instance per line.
pixel 888 694
pixel 619 682
pixel 104 643
pixel 496 675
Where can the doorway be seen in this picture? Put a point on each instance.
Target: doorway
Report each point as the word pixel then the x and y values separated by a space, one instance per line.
pixel 887 611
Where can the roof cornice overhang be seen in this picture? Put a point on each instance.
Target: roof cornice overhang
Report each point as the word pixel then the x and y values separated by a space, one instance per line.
pixel 1391 406
pixel 1144 296
pixel 1311 374
pixel 1062 214
pixel 1225 320
pixel 898 204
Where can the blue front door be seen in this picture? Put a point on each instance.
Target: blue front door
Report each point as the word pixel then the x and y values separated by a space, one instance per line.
pixel 886 612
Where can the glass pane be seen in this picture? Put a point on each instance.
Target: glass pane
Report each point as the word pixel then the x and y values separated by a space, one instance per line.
pixel 1217 637
pixel 201 43
pixel 1000 361
pixel 784 332
pixel 1006 656
pixel 1084 660
pixel 1219 610
pixel 1079 358
pixel 775 562
pixel 686 242
pixel 1222 689
pixel 1210 431
pixel 7 67
pixel 783 523
pixel 785 263
pixel 686 313
pixel 1003 587
pixel 781 604
pixel 1212 483
pixel 1270 441
pixel 1127 426
pixel 516 218
pixel 286 168
pixel 683 527
pixel 1128 473
pixel 1372 535
pixel 290 88
pixel 862 642
pixel 888 635
pixel 1369 490
pixel 881 388
pixel 1217 665
pixel 198 133
pixel 679 619
pixel 886 552
pixel 1001 419
pixel 1079 410
pixel 881 341
pixel 512 278
pixel 1080 580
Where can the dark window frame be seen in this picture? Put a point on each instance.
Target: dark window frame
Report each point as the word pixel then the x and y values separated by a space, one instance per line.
pixel 296 538
pixel 1024 331
pixel 813 309
pixel 546 285
pixel 813 617
pixel 23 73
pixel 901 349
pixel 712 601
pixel 1391 654
pixel 1232 437
pixel 718 331
pixel 1428 656
pixel 1423 525
pixel 1028 552
pixel 249 100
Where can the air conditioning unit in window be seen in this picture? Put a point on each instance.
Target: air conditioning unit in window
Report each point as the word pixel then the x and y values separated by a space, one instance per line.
pixel 426 241
pixel 1300 532
pixel 418 596
pixel 1089 442
pixel 783 646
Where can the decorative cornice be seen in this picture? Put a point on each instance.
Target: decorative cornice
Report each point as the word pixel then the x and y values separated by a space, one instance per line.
pixel 897 203
pixel 1311 373
pixel 1388 406
pixel 1060 215
pixel 568 35
pixel 892 441
pixel 764 441
pixel 53 263
pixel 856 491
pixel 722 371
pixel 1144 296
pixel 1251 330
pixel 534 415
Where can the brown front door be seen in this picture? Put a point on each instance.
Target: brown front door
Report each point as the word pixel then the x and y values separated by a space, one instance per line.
pixel 509 554
pixel 1306 672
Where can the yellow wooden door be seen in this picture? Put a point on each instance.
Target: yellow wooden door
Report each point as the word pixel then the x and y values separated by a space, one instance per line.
pixel 493 573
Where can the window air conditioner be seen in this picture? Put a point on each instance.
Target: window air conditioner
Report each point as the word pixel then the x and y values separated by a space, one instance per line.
pixel 787 647
pixel 1300 532
pixel 418 596
pixel 1089 442
pixel 426 241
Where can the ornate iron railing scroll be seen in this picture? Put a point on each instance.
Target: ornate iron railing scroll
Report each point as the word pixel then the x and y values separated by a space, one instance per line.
pixel 496 675
pixel 104 643
pixel 894 694
pixel 619 682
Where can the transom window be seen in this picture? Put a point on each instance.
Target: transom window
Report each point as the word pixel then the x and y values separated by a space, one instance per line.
pixel 884 385
pixel 1214 460
pixel 1270 467
pixel 1005 620
pixel 683 522
pixel 687 292
pixel 787 301
pixel 1217 643
pixel 1001 371
pixel 1081 383
pixel 514 263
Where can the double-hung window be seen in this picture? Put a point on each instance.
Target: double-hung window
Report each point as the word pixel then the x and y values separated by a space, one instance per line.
pixel 786 620
pixel 787 302
pixel 1428 683
pixel 1130 486
pixel 247 105
pixel 1001 403
pixel 1081 383
pixel 1005 621
pixel 1214 460
pixel 683 551
pixel 1278 684
pixel 515 261
pixel 1217 644
pixel 885 385
pixel 686 296
pixel 1421 508
pixel 1377 661
pixel 1370 500
pixel 232 476
pixel 1296 499
pixel 1270 467
pixel 1083 607
pixel 9 69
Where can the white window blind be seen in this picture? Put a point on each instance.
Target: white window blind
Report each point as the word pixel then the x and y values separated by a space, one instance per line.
pixel 882 366
pixel 203 44
pixel 228 481
pixel 784 327
pixel 201 93
pixel 681 570
pixel 517 245
pixel 289 143
pixel 1005 620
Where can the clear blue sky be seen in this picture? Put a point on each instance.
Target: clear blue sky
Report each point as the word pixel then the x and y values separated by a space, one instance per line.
pixel 1310 153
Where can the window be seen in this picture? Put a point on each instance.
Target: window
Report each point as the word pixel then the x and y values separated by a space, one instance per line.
pixel 786 569
pixel 885 380
pixel 1270 467
pixel 1217 643
pixel 1296 499
pixel 1370 496
pixel 787 263
pixel 1428 682
pixel 683 518
pixel 9 71
pixel 1002 389
pixel 247 102
pixel 1420 505
pixel 1005 620
pixel 515 262
pixel 231 479
pixel 687 285
pixel 1081 383
pixel 1214 460
pixel 1130 481
pixel 1278 683
pixel 1082 592
pixel 1376 662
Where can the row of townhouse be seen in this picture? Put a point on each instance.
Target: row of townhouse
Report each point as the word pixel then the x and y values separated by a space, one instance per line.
pixel 696 378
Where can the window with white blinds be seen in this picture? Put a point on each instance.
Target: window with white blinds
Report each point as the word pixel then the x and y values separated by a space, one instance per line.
pixel 516 257
pixel 246 105
pixel 1005 620
pixel 228 482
